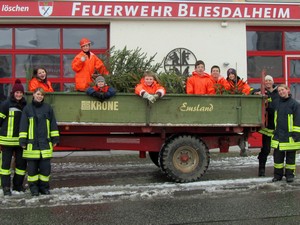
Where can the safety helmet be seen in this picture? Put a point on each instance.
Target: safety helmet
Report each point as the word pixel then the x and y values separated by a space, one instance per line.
pixel 84 41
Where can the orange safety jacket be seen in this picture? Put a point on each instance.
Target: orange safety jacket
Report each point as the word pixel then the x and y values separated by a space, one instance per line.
pixel 239 86
pixel 220 85
pixel 85 70
pixel 35 83
pixel 200 84
pixel 153 89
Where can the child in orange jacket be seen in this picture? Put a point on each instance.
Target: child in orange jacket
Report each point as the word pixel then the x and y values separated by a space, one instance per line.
pixel 149 88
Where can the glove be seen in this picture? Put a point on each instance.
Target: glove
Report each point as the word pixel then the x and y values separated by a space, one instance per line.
pixel 149 97
pixel 156 96
pixel 82 59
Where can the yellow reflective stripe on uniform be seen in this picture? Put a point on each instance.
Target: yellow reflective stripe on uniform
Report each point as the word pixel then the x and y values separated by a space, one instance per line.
pixel 266 131
pixel 48 128
pixel 10 141
pixel 20 172
pixel 33 178
pixel 23 135
pixel 44 178
pixel 290 166
pixel 5 172
pixel 47 153
pixel 274 143
pixel 290 122
pixel 296 129
pixel 54 133
pixel 30 129
pixel 3 116
pixel 10 123
pixel 278 165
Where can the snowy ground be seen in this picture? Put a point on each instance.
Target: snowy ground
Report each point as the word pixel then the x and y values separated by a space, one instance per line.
pixel 109 193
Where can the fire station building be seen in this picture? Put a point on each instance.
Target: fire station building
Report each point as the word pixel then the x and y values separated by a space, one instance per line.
pixel 254 37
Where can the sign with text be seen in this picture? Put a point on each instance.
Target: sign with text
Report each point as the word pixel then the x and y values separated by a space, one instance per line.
pixel 149 9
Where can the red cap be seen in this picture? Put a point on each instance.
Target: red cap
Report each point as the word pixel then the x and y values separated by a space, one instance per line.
pixel 84 41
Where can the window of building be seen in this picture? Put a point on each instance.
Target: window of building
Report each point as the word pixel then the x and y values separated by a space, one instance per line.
pixel 274 51
pixel 25 47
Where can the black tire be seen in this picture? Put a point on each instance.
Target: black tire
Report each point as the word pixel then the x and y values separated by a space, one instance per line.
pixel 184 159
pixel 154 158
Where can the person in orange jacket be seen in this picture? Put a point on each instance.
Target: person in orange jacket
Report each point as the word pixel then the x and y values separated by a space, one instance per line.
pixel 39 79
pixel 220 83
pixel 237 85
pixel 149 88
pixel 84 65
pixel 200 82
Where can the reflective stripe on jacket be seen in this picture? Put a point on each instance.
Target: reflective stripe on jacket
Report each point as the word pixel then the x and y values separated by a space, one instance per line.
pixel 287 125
pixel 38 131
pixel 10 116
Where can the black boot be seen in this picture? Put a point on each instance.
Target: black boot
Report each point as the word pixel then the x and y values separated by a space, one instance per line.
pixel 34 188
pixel 261 171
pixel 6 191
pixel 44 188
pixel 261 167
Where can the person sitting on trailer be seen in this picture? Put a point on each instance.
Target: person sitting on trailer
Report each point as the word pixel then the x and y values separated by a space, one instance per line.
pixel 200 82
pixel 149 88
pixel 84 65
pixel 237 85
pixel 101 90
pixel 39 79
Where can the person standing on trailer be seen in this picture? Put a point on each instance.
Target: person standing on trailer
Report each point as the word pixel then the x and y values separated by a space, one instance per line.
pixel 200 82
pixel 10 116
pixel 38 135
pixel 39 79
pixel 84 65
pixel 267 132
pixel 286 138
pixel 149 88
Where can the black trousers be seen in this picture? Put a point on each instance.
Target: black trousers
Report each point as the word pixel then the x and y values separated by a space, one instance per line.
pixel 38 167
pixel 290 159
pixel 265 150
pixel 7 154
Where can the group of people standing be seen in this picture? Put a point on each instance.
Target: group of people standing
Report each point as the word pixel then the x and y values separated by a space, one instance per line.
pixel 29 131
pixel 282 131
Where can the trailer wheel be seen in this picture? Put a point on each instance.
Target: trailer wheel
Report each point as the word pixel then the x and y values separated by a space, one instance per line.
pixel 154 158
pixel 184 159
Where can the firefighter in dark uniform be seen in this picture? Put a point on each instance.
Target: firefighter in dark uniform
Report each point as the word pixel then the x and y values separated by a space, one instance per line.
pixel 38 135
pixel 267 132
pixel 10 115
pixel 286 138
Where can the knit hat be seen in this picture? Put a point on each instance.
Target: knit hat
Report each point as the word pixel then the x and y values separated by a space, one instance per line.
pixel 269 77
pixel 231 70
pixel 17 87
pixel 99 79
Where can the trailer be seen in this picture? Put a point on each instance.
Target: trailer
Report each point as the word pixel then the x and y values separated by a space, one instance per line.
pixel 177 131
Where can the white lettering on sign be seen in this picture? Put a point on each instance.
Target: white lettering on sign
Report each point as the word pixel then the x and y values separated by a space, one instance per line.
pixel 102 106
pixel 81 9
pixel 184 10
pixel 196 108
pixel 15 8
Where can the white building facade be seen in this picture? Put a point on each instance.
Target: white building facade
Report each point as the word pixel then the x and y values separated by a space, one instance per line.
pixel 253 37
